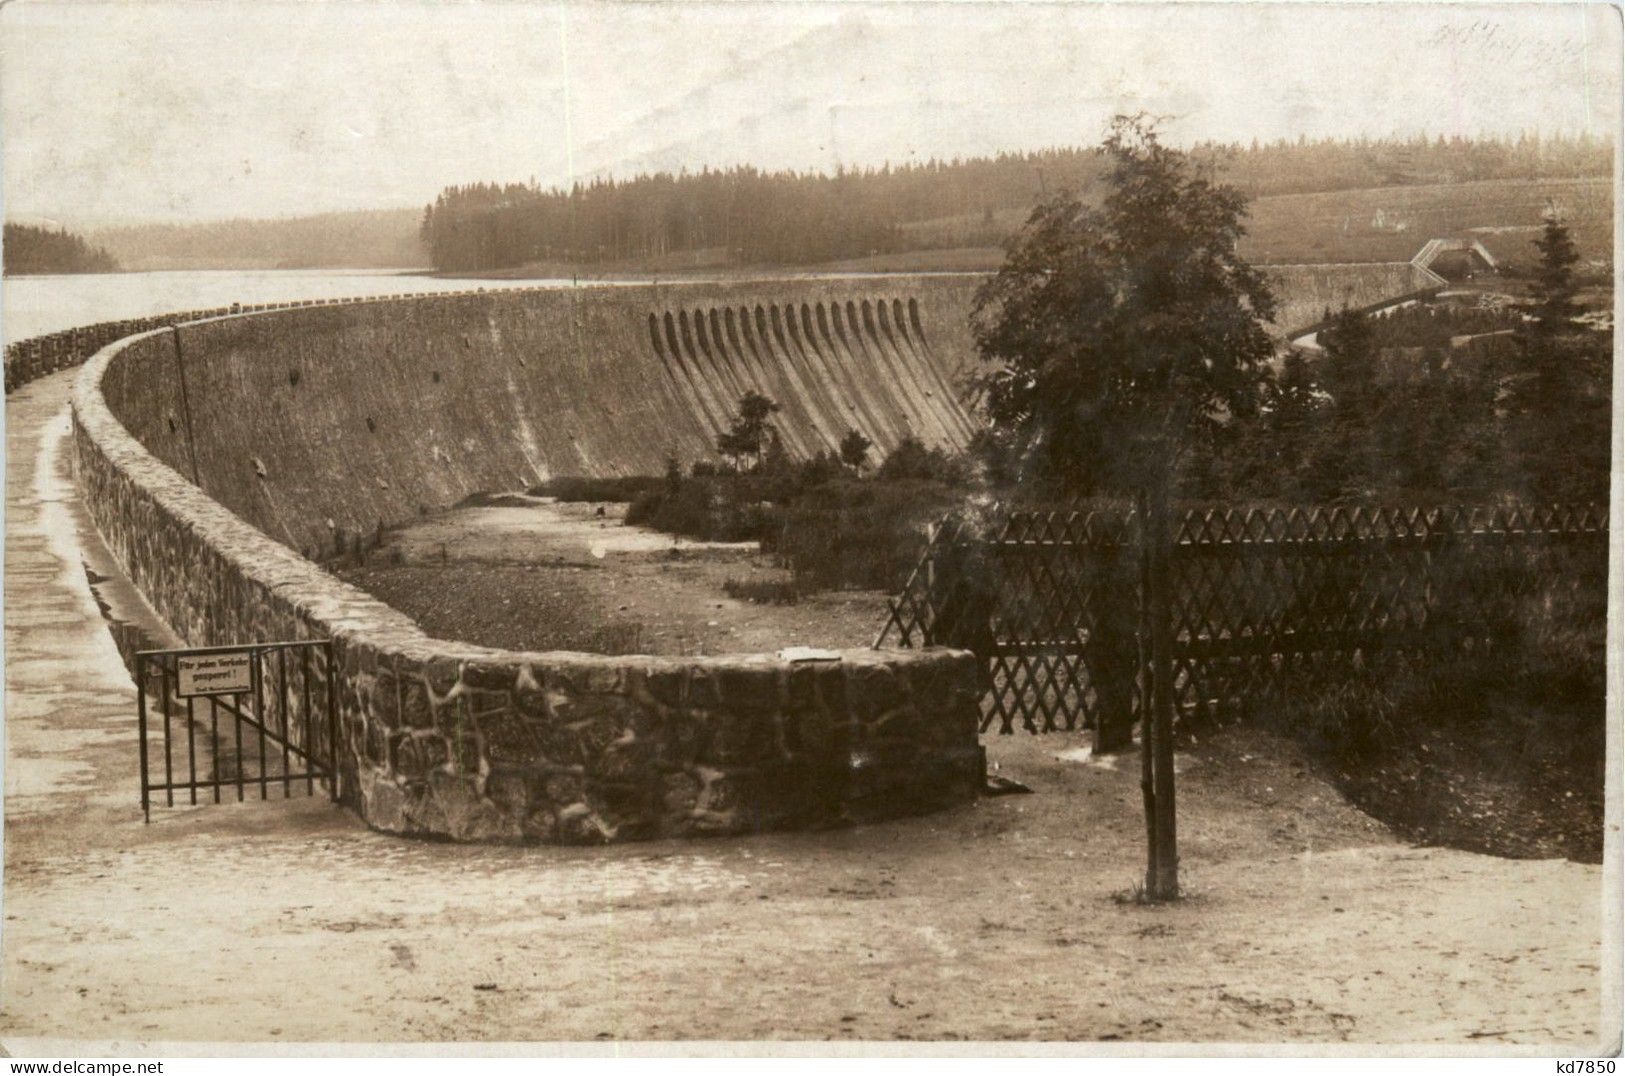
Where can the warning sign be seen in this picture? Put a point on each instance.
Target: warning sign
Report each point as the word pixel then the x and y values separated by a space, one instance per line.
pixel 226 672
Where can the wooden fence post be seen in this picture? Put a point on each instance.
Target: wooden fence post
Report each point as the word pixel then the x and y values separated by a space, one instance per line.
pixel 930 559
pixel 1116 635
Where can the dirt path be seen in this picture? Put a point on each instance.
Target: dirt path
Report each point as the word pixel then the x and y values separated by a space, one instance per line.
pixel 294 923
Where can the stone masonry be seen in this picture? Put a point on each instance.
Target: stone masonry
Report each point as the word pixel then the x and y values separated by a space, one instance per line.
pixel 440 738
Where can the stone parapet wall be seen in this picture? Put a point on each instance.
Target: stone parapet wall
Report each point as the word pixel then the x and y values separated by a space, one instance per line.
pixel 35 357
pixel 440 738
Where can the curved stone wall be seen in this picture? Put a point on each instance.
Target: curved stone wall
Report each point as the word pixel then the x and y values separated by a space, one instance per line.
pixel 1304 292
pixel 446 739
pixel 372 411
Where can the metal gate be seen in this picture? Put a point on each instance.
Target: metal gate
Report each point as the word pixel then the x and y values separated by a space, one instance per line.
pixel 262 717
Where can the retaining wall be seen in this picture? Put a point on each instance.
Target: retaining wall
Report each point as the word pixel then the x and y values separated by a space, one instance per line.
pixel 446 739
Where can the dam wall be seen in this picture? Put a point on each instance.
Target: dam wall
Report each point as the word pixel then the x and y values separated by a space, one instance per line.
pixel 317 423
pixel 1304 293
pixel 321 423
pixel 37 356
pixel 441 738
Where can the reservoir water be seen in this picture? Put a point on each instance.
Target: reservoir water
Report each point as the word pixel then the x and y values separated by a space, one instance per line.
pixel 34 305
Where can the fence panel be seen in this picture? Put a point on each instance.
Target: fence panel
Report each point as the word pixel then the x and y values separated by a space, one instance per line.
pixel 1261 600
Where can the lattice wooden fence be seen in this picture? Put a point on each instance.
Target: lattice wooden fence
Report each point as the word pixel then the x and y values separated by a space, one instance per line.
pixel 1261 599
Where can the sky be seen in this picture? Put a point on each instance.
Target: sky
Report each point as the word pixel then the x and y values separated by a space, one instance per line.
pixel 148 111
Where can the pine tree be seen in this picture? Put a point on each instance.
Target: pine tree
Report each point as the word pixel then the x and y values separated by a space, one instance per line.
pixel 1557 287
pixel 1558 401
pixel 750 431
pixel 855 450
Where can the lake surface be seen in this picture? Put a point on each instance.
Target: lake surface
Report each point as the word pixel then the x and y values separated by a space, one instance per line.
pixel 34 305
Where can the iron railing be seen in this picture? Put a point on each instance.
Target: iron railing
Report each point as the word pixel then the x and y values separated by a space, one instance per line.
pixel 244 718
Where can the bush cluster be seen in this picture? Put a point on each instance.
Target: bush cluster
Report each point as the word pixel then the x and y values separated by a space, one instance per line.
pixel 578 488
pixel 1436 324
pixel 1523 670
pixel 831 525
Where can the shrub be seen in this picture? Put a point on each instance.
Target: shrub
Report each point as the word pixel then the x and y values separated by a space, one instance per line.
pixel 705 509
pixel 830 528
pixel 1509 660
pixel 912 460
pixel 820 469
pixel 855 449
pixel 775 460
pixel 854 533
pixel 1345 722
pixel 578 488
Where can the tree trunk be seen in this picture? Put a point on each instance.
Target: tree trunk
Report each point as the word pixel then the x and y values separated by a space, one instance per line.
pixel 1162 881
pixel 1148 789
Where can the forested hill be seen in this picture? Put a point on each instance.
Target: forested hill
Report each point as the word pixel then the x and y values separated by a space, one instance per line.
pixel 746 216
pixel 385 238
pixel 30 249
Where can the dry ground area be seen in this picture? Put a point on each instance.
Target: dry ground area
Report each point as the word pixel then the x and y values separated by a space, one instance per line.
pixel 269 923
pixel 534 574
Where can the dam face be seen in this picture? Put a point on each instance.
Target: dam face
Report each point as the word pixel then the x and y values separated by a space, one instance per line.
pixel 348 417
